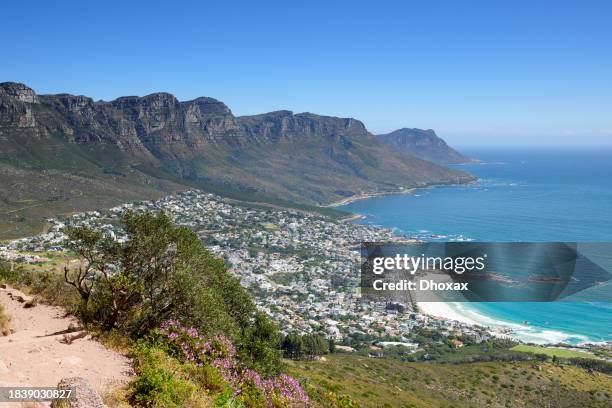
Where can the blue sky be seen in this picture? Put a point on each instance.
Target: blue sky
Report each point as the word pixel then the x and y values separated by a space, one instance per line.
pixel 480 73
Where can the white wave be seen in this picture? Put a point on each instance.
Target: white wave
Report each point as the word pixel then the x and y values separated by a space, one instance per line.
pixel 531 334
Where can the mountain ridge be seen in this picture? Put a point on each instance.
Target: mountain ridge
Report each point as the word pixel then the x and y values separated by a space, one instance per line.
pixel 161 144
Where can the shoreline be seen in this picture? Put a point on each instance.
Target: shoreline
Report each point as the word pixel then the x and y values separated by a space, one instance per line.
pixel 444 310
pixel 365 196
pixel 462 312
pixel 403 191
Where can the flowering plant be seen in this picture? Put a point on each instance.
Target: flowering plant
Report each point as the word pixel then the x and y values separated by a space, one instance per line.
pixel 186 344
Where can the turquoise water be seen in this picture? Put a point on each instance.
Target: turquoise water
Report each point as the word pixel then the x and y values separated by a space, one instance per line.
pixel 522 195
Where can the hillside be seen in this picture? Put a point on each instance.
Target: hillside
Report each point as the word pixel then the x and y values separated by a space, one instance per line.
pixel 424 144
pixel 63 152
pixel 383 382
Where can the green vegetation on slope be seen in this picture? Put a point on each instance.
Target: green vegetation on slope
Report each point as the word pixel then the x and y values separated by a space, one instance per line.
pixel 46 179
pixel 53 178
pixel 383 382
pixel 552 351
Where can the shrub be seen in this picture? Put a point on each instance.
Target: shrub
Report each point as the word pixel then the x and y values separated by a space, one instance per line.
pixel 218 353
pixel 157 384
pixel 10 274
pixel 210 379
pixel 49 285
pixel 602 366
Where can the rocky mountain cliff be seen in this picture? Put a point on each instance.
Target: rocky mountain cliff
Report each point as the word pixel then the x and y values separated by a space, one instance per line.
pixel 424 144
pixel 156 143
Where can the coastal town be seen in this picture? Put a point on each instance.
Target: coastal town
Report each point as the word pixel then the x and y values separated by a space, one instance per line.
pixel 301 268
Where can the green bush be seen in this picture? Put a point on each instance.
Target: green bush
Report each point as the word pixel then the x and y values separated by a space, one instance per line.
pixel 10 274
pixel 158 383
pixel 49 285
pixel 212 365
pixel 210 379
pixel 252 397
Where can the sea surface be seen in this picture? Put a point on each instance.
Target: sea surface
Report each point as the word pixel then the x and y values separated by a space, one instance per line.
pixel 521 195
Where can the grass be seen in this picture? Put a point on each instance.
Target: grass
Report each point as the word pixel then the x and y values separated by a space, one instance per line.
pixel 55 261
pixel 74 179
pixel 59 193
pixel 390 383
pixel 553 351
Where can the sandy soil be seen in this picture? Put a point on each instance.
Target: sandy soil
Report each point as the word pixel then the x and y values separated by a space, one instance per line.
pixel 34 356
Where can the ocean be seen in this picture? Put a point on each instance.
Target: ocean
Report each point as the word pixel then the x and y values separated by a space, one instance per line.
pixel 522 195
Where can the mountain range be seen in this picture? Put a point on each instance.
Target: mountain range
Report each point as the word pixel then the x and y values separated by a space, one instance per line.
pixel 61 153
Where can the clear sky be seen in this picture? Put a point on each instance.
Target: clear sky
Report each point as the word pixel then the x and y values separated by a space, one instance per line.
pixel 480 73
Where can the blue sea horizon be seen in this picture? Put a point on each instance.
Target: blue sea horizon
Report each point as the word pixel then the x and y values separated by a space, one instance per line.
pixel 526 195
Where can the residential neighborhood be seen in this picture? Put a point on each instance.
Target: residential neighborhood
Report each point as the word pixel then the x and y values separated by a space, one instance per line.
pixel 301 268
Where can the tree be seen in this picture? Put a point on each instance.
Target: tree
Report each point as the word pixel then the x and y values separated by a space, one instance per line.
pixel 89 246
pixel 307 346
pixel 138 272
pixel 331 346
pixel 260 345
pixel 293 346
pixel 160 272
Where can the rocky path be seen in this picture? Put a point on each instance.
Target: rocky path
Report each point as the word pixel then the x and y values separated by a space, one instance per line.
pixel 36 354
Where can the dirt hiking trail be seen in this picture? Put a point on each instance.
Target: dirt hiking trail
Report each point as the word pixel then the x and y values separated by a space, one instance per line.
pixel 37 353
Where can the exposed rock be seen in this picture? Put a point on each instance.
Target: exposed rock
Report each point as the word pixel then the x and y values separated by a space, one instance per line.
pixel 16 106
pixel 18 91
pixel 23 298
pixel 69 338
pixel 31 303
pixel 19 296
pixel 84 394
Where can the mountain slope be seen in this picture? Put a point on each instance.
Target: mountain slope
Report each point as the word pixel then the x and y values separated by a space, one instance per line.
pixel 424 144
pixel 74 151
pixel 385 382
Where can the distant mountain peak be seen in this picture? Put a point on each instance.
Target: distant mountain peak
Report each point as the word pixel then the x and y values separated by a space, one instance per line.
pixel 425 144
pixel 19 91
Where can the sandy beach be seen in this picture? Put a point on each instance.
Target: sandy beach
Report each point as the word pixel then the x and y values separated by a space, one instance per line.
pixel 524 332
pixel 444 310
